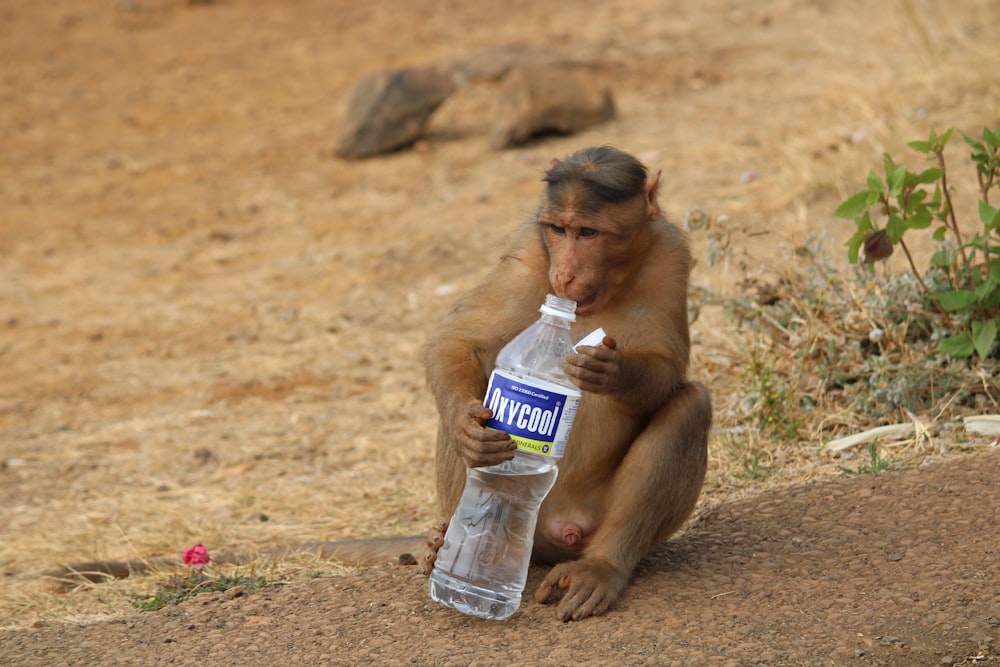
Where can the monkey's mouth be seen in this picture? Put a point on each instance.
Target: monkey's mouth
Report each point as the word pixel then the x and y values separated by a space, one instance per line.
pixel 585 305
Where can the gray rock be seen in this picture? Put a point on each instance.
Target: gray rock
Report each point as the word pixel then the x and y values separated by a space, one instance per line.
pixel 534 100
pixel 389 110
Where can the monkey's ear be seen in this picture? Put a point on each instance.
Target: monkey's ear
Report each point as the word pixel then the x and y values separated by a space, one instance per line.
pixel 552 164
pixel 652 189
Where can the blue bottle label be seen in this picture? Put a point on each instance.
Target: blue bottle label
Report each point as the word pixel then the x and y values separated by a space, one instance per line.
pixel 536 414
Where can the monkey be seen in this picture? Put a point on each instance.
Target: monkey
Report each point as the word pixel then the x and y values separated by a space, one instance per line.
pixel 637 454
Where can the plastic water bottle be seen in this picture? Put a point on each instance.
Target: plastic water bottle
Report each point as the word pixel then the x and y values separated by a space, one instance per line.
pixel 482 565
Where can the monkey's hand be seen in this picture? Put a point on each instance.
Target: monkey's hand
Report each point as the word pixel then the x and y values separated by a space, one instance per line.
pixel 596 369
pixel 435 539
pixel 478 446
pixel 591 586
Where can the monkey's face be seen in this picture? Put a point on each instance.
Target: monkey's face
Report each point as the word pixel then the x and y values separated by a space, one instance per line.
pixel 592 254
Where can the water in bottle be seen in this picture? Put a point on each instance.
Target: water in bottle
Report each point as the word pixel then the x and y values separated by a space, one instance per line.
pixel 482 565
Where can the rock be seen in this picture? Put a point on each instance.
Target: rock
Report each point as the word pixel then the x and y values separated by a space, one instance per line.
pixel 982 424
pixel 389 110
pixel 535 100
pixel 494 63
pixel 234 592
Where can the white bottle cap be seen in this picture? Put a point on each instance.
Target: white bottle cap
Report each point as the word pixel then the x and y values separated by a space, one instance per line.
pixel 593 339
pixel 559 307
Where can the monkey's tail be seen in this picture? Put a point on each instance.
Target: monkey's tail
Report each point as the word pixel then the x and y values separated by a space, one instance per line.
pixel 359 552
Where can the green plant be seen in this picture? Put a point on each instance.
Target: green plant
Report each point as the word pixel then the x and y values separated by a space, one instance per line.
pixel 772 400
pixel 755 470
pixel 177 589
pixel 963 280
pixel 875 465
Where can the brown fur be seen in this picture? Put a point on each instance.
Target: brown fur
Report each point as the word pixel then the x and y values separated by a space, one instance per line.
pixel 637 455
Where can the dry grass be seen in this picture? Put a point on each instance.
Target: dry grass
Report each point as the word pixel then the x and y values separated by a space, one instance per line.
pixel 827 352
pixel 205 327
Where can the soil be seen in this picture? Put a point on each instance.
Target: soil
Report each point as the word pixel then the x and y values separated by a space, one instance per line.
pixel 898 569
pixel 211 327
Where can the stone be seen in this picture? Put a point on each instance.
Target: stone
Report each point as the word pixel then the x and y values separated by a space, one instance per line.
pixel 533 100
pixel 389 110
pixel 494 63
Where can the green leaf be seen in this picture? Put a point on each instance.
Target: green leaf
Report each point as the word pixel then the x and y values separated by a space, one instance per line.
pixel 875 182
pixel 941 259
pixel 864 222
pixel 895 227
pixel 896 180
pixel 979 154
pixel 989 284
pixel 984 332
pixel 992 138
pixel 916 200
pixel 863 225
pixel 992 298
pixel 940 233
pixel 935 202
pixel 978 241
pixel 946 137
pixel 920 146
pixel 920 220
pixel 853 206
pixel 959 345
pixel 954 300
pixel 989 215
pixel 931 175
pixel 985 289
pixel 854 245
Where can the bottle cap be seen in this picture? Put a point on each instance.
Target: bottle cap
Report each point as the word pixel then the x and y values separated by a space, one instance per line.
pixel 593 339
pixel 559 307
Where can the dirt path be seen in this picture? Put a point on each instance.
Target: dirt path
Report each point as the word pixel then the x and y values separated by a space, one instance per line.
pixel 900 569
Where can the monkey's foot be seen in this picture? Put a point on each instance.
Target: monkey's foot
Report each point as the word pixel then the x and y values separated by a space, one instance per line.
pixel 435 538
pixel 589 587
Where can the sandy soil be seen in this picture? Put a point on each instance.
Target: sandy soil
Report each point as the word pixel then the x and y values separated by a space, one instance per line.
pixel 816 575
pixel 211 328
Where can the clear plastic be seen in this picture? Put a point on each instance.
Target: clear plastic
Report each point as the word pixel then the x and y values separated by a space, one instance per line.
pixel 538 351
pixel 482 566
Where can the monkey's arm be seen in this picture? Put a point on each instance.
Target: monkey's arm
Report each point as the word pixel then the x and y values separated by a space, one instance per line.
pixel 461 354
pixel 456 377
pixel 640 380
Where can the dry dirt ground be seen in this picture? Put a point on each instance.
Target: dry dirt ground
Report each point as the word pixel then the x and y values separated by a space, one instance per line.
pixel 891 570
pixel 211 328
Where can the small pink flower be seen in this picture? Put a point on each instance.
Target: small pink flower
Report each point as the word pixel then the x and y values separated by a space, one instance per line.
pixel 197 557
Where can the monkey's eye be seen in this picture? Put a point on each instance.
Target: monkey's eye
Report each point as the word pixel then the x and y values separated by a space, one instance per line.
pixel 587 232
pixel 556 229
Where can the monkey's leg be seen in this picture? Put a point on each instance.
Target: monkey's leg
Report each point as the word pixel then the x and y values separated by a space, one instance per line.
pixel 450 473
pixel 651 494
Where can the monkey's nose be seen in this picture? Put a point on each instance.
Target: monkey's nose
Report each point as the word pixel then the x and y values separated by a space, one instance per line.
pixel 561 281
